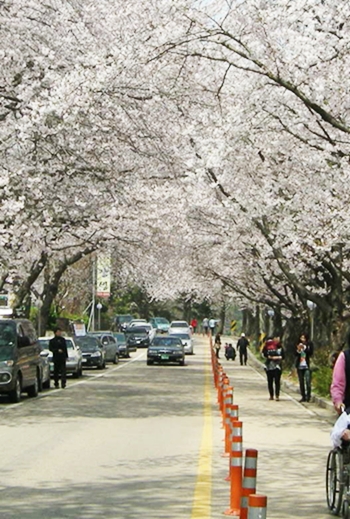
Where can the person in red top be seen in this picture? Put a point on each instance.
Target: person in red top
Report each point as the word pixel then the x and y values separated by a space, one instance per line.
pixel 194 324
pixel 274 354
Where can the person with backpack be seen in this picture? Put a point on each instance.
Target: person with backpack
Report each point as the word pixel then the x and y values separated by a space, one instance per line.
pixel 242 347
pixel 274 354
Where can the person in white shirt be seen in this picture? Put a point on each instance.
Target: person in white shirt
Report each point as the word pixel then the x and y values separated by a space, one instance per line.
pixel 212 326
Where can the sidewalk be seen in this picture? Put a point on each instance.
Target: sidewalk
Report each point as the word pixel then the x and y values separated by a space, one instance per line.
pixel 324 405
pixel 293 443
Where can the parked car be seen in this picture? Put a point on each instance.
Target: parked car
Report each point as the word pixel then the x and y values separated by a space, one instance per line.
pixel 94 353
pixel 20 362
pixel 46 369
pixel 124 349
pixel 74 363
pixel 166 349
pixel 110 344
pixel 122 321
pixel 160 324
pixel 186 340
pixel 179 327
pixel 138 336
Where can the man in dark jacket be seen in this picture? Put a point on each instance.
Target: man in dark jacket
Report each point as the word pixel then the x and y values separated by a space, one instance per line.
pixel 58 346
pixel 242 346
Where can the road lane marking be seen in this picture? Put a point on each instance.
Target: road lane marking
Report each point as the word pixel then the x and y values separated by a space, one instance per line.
pixel 201 508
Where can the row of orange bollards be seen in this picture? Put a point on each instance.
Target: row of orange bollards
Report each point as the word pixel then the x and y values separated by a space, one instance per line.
pixel 244 502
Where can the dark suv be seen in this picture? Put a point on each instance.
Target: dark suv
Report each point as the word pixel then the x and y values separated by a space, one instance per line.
pixel 20 361
pixel 122 322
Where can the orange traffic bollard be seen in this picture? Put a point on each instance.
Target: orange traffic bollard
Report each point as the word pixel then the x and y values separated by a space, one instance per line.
pixel 249 479
pixel 233 409
pixel 228 396
pixel 257 506
pixel 223 382
pixel 235 470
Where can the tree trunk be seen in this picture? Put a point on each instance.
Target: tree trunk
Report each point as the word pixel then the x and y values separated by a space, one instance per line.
pixel 23 290
pixel 222 318
pixel 51 285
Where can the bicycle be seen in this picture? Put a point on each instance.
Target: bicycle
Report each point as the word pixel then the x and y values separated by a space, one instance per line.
pixel 338 480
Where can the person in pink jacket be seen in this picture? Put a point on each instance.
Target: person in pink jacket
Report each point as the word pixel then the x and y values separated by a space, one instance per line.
pixel 340 387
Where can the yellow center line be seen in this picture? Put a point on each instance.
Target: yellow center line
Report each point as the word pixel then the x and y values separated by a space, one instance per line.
pixel 201 508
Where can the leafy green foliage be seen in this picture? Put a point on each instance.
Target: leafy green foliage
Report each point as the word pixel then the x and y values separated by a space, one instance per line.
pixel 321 380
pixel 321 372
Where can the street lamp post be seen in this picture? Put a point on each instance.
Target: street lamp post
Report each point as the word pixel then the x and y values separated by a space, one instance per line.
pixel 39 304
pixel 270 313
pixel 99 307
pixel 311 306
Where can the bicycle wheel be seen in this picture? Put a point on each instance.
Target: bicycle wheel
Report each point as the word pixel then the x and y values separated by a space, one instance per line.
pixel 335 481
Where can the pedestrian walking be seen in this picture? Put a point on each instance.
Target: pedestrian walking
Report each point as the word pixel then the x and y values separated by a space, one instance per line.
pixel 217 345
pixel 212 326
pixel 194 324
pixel 274 354
pixel 205 325
pixel 303 351
pixel 242 347
pixel 58 346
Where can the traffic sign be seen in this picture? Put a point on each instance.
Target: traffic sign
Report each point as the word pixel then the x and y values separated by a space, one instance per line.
pixel 233 325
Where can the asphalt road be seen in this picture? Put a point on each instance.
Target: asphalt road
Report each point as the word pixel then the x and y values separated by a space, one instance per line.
pixel 145 441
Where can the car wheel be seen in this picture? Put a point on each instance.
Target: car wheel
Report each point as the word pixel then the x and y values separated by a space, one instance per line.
pixel 149 363
pixel 116 359
pixel 15 394
pixel 182 362
pixel 34 389
pixel 76 373
pixel 47 383
pixel 81 371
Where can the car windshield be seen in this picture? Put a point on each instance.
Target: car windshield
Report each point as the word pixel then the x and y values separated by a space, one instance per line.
pixel 70 345
pixel 124 318
pixel 87 343
pixel 7 334
pixel 183 336
pixel 161 320
pixel 120 338
pixel 179 324
pixel 44 344
pixel 7 339
pixel 166 341
pixel 137 330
